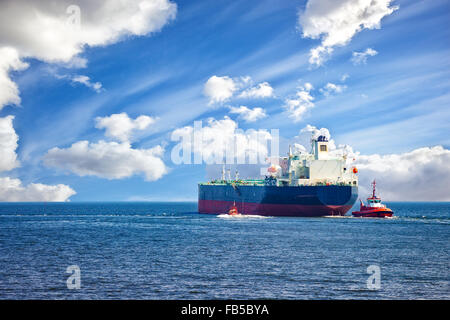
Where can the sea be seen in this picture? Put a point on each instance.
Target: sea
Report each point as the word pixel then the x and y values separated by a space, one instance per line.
pixel 150 250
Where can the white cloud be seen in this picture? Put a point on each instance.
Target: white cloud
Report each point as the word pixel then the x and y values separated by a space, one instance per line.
pixel 9 60
pixel 219 89
pixel 40 29
pixel 8 144
pixel 12 190
pixel 420 175
pixel 299 148
pixel 120 126
pixel 262 90
pixel 331 88
pixel 85 80
pixel 336 22
pixel 345 77
pixel 249 115
pixel 361 57
pixel 299 105
pixel 311 132
pixel 96 86
pixel 218 136
pixel 75 63
pixel 318 55
pixel 110 160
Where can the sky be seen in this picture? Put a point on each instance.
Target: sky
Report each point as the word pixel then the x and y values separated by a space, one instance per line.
pixel 92 92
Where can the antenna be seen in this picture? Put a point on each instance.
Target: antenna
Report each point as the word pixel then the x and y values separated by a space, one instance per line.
pixel 374 185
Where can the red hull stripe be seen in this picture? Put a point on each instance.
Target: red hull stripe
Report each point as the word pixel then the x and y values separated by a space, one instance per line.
pixel 268 209
pixel 373 214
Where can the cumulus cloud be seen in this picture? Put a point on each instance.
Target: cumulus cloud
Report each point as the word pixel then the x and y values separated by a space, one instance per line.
pixel 419 175
pixel 110 160
pixel 8 144
pixel 361 57
pixel 336 22
pixel 331 88
pixel 303 101
pixel 262 90
pixel 422 174
pixel 45 30
pixel 221 141
pixel 12 190
pixel 309 132
pixel 9 61
pixel 318 55
pixel 219 89
pixel 249 115
pixel 120 126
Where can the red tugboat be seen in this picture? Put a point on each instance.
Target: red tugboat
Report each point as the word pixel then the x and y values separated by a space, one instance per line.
pixel 374 209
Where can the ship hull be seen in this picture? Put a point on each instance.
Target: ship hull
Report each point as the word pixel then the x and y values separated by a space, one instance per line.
pixel 302 201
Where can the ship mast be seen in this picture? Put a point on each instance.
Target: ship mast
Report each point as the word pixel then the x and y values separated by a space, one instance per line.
pixel 374 185
pixel 289 164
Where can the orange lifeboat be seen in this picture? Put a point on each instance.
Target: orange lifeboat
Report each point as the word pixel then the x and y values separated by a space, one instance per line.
pixel 233 210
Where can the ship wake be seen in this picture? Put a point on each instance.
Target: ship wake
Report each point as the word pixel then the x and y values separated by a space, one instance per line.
pixel 241 216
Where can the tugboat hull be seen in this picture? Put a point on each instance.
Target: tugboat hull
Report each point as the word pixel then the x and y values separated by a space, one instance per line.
pixel 377 213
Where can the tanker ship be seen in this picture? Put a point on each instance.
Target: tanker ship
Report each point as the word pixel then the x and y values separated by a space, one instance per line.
pixel 300 185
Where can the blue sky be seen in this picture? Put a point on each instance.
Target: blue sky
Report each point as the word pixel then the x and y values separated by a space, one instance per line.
pixel 394 103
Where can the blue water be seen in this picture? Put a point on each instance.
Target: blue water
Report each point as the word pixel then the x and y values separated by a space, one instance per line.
pixel 168 251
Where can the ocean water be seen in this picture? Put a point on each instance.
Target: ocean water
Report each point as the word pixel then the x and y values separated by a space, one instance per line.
pixel 168 251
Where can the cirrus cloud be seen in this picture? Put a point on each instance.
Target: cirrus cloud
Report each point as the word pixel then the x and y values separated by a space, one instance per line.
pixel 361 57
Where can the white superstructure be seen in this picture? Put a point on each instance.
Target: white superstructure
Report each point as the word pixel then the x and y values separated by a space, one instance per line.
pixel 315 168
